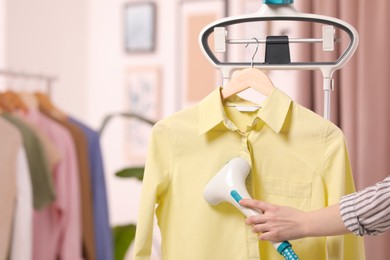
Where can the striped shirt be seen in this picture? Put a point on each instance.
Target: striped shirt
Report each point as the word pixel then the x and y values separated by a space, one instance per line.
pixel 367 212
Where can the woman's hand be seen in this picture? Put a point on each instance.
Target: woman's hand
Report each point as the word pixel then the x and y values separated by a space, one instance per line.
pixel 277 223
pixel 280 223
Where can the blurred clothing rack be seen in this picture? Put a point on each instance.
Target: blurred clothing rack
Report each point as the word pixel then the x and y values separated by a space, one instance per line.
pixel 108 118
pixel 48 80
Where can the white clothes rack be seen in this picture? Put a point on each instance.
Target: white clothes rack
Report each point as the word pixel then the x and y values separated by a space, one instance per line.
pixel 48 80
pixel 280 12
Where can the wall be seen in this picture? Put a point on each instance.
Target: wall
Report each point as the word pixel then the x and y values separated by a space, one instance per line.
pixel 2 41
pixel 49 37
pixel 2 32
pixel 108 62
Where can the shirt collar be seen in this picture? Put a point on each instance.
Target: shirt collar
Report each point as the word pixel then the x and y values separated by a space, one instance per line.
pixel 211 112
pixel 273 111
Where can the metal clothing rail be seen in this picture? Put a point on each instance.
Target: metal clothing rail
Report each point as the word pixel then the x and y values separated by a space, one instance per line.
pixel 290 40
pixel 48 80
pixel 108 118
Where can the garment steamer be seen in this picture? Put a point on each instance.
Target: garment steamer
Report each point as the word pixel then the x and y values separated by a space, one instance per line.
pixel 228 185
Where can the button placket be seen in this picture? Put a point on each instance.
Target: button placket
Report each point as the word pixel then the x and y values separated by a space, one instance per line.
pixel 251 238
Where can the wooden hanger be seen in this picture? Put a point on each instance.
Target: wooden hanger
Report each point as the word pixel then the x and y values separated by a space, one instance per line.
pixel 45 104
pixel 5 103
pixel 29 99
pixel 248 78
pixel 10 102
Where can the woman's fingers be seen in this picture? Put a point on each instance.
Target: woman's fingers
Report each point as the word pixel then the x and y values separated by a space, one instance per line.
pixel 258 219
pixel 256 204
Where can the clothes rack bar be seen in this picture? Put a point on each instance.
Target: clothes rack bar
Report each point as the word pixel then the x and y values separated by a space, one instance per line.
pixel 45 78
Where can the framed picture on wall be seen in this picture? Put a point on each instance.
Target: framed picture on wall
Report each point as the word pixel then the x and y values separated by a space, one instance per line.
pixel 197 76
pixel 140 26
pixel 142 98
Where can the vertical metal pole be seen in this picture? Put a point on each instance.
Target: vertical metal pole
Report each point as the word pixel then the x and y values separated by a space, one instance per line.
pixel 328 86
pixel 48 86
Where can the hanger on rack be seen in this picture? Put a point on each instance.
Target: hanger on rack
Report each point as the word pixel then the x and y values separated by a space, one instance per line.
pixel 283 10
pixel 10 101
pixel 248 78
pixel 5 103
pixel 45 103
pixel 29 99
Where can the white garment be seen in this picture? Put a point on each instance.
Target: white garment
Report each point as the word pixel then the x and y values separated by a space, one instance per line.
pixel 21 248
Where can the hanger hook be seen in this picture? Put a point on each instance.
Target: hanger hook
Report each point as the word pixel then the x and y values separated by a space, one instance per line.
pixel 257 48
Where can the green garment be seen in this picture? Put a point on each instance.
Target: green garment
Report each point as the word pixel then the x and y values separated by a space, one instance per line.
pixel 41 179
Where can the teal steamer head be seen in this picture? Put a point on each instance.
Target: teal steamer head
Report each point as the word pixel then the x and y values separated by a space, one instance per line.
pixel 278 2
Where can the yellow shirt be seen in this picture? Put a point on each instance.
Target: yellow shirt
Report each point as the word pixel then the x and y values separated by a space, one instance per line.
pixel 297 159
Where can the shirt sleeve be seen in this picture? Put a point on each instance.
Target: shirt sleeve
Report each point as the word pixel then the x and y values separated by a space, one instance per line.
pixel 154 185
pixel 367 212
pixel 338 181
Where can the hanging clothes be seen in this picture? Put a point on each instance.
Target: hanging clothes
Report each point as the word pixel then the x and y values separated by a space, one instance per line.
pixel 297 158
pixel 57 228
pixel 63 162
pixel 88 233
pixel 103 234
pixel 10 145
pixel 41 179
pixel 21 245
pixel 51 152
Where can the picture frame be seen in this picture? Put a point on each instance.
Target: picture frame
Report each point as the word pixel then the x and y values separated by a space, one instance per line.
pixel 142 98
pixel 197 77
pixel 140 26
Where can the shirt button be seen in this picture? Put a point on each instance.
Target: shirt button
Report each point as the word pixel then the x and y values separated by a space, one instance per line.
pixel 228 124
pixel 243 134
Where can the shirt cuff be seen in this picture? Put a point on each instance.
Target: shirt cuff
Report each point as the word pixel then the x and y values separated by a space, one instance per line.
pixel 349 216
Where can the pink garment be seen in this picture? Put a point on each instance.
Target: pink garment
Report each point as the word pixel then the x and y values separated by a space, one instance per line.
pixel 57 228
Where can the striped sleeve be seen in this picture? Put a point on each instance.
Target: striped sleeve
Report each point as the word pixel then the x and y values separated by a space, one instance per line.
pixel 367 212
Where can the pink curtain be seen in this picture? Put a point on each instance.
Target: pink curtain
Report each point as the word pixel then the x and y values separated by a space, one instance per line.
pixel 361 101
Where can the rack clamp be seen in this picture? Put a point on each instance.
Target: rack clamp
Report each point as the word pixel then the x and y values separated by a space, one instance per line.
pixel 277 50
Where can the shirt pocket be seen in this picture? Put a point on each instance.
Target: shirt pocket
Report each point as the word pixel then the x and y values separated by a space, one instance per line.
pixel 296 194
